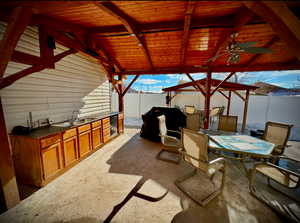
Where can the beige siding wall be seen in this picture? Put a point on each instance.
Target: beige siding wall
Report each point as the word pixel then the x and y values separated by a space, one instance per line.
pixel 76 84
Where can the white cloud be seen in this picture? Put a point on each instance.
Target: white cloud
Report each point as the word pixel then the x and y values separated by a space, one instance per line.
pixel 148 81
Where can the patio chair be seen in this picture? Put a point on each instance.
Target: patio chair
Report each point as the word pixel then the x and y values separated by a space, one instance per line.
pixel 228 123
pixel 283 178
pixel 277 133
pixel 215 113
pixel 189 109
pixel 171 142
pixel 194 151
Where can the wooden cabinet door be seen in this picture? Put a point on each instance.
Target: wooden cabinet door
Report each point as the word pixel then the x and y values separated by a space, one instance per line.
pixel 51 160
pixel 70 150
pixel 97 137
pixel 85 143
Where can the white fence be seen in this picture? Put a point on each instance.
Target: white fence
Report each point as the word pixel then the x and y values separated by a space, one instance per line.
pixel 261 108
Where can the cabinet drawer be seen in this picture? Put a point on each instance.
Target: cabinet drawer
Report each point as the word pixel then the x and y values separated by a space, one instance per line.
pixel 50 140
pixel 69 133
pixel 84 128
pixel 105 120
pixel 106 131
pixel 96 124
pixel 121 116
pixel 106 126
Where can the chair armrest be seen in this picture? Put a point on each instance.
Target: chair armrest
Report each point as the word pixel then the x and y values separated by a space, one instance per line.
pixel 218 160
pixel 285 157
pixel 170 137
pixel 174 131
pixel 278 167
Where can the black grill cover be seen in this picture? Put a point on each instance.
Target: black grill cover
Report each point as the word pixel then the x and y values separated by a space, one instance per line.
pixel 174 120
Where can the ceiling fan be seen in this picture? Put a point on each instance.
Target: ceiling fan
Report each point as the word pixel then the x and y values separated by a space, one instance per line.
pixel 234 49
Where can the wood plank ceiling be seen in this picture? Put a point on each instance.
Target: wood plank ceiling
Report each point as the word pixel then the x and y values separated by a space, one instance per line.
pixel 157 37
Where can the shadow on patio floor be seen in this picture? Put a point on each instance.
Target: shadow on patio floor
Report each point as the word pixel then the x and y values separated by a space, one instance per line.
pixel 137 157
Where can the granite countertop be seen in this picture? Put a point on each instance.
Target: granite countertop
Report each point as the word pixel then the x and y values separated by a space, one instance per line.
pixel 51 130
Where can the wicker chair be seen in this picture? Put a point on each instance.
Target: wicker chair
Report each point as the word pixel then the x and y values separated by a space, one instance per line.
pixel 194 151
pixel 285 178
pixel 228 123
pixel 277 133
pixel 171 142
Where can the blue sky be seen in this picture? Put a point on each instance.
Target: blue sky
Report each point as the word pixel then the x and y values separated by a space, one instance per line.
pixel 154 83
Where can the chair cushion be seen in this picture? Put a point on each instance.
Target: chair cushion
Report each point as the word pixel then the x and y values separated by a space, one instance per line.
pixel 277 175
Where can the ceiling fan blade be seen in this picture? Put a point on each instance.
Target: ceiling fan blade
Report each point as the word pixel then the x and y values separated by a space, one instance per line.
pixel 215 57
pixel 246 44
pixel 256 50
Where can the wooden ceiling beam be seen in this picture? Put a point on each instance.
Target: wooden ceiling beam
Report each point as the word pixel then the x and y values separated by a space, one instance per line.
pixel 243 16
pixel 77 45
pixel 17 23
pixel 186 29
pixel 25 58
pixel 130 84
pixel 129 24
pixel 283 22
pixel 195 84
pixel 226 21
pixel 96 46
pixel 35 68
pixel 216 69
pixel 46 53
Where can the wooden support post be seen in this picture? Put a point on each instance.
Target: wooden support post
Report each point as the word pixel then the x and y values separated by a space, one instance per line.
pixel 46 53
pixel 228 102
pixel 168 99
pixel 239 95
pixel 225 96
pixel 7 172
pixel 207 100
pixel 130 84
pixel 121 98
pixel 195 84
pixel 246 102
pixel 16 25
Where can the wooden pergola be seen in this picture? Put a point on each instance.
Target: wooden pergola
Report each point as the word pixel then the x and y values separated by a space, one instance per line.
pixel 207 87
pixel 145 37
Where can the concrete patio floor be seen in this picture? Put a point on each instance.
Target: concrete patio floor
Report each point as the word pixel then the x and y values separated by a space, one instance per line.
pixel 89 191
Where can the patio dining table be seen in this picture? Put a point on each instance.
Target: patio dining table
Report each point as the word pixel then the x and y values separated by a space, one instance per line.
pixel 241 145
pixel 244 145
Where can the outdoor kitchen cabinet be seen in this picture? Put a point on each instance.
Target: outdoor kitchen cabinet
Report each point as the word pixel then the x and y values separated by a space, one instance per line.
pixel 37 160
pixel 106 129
pixel 51 160
pixel 70 147
pixel 85 140
pixel 97 134
pixel 42 156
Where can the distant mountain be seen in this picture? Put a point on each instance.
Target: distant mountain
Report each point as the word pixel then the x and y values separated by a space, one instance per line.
pixel 265 89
